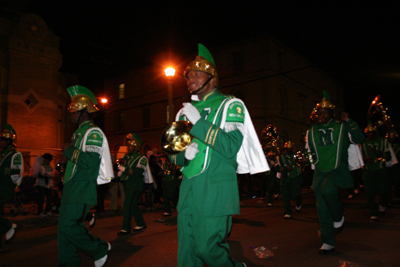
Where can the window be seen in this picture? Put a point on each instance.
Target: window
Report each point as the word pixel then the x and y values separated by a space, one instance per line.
pixel 121 121
pixel 31 101
pixel 121 91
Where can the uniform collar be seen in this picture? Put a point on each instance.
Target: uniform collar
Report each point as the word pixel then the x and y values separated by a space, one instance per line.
pixel 208 96
pixel 331 121
pixel 85 123
pixel 6 150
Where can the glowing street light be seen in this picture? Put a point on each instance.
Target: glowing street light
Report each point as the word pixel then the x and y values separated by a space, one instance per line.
pixel 170 72
pixel 104 100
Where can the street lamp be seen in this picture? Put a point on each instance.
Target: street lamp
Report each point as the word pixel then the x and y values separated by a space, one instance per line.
pixel 170 72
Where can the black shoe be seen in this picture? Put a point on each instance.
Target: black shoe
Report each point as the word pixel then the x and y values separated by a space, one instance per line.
pixel 338 230
pixel 298 208
pixel 373 219
pixel 337 226
pixel 121 233
pixel 382 209
pixel 92 221
pixel 139 228
pixel 325 251
pixel 10 233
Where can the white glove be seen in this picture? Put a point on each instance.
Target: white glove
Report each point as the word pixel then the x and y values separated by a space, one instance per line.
pixel 190 112
pixel 191 151
pixel 121 168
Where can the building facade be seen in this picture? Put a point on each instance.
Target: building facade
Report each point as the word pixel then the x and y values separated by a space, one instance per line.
pixel 278 86
pixel 33 95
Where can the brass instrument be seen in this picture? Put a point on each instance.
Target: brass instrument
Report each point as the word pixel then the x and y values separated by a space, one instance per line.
pixel 170 168
pixel 176 137
pixel 60 167
pixel 269 139
pixel 298 157
pixel 119 162
pixel 379 117
pixel 314 118
pixel 309 156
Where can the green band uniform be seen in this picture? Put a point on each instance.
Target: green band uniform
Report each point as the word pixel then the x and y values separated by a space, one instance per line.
pixel 291 180
pixel 11 163
pixel 132 179
pixel 330 144
pixel 375 174
pixel 209 194
pixel 79 194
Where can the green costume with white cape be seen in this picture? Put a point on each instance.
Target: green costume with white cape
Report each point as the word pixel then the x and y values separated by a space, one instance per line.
pixel 330 143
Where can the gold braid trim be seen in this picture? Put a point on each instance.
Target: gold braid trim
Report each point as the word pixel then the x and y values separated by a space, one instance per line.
pixel 215 138
pixel 75 155
pixel 208 133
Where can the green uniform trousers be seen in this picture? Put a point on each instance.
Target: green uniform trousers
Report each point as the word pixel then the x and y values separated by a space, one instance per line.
pixel 5 224
pixel 291 189
pixel 329 205
pixel 131 207
pixel 202 239
pixel 394 178
pixel 376 182
pixel 73 235
pixel 269 185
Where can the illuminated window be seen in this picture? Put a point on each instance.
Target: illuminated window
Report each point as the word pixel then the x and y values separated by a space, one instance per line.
pixel 121 91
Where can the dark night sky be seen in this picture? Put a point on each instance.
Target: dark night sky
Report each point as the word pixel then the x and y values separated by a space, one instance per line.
pixel 356 42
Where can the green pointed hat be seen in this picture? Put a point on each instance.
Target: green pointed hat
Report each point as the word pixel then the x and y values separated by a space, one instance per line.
pixel 135 140
pixel 326 101
pixel 81 98
pixel 203 62
pixel 9 132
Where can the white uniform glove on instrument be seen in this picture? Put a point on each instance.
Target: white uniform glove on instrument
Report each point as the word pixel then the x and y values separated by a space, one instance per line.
pixel 191 151
pixel 190 112
pixel 121 168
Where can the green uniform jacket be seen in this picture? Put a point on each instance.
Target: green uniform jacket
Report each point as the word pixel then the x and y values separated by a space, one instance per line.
pixel 215 187
pixel 135 165
pixel 80 180
pixel 330 143
pixel 285 161
pixel 10 164
pixel 382 146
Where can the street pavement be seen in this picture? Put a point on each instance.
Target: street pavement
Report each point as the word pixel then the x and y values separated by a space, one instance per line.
pixel 289 243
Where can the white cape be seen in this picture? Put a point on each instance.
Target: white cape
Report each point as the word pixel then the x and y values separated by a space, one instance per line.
pixel 106 171
pixel 250 158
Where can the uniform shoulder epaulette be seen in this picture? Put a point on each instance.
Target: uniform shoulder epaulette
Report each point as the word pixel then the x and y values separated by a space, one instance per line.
pixel 230 96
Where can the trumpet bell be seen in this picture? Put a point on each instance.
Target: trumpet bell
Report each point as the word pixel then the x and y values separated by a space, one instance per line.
pixel 176 137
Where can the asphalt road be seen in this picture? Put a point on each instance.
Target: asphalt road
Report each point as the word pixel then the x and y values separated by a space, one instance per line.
pixel 292 242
